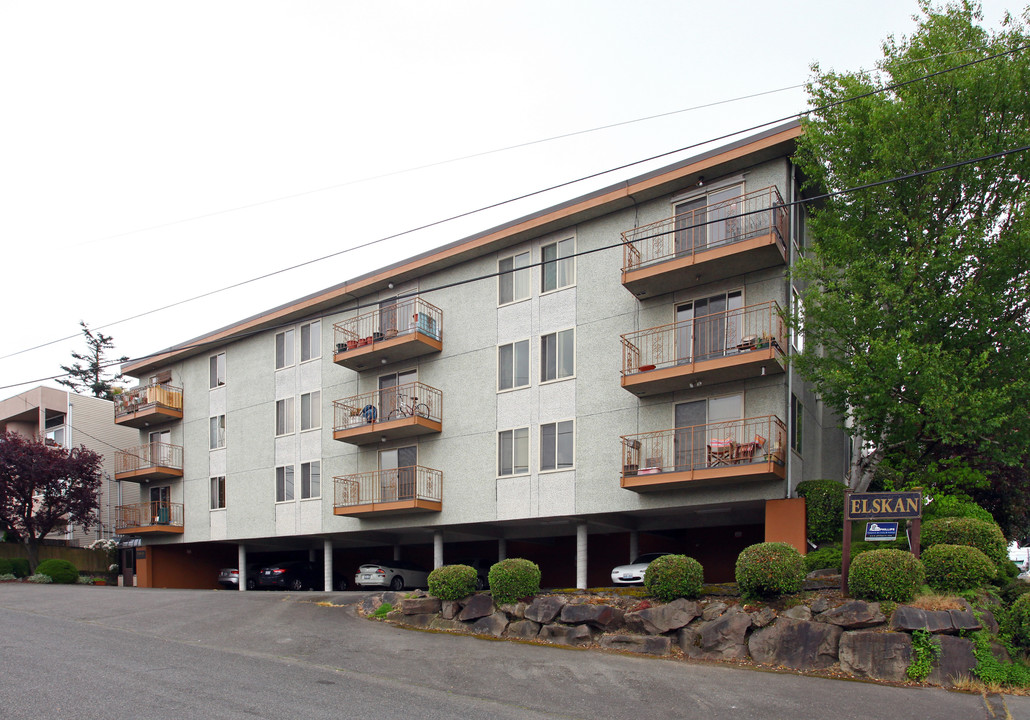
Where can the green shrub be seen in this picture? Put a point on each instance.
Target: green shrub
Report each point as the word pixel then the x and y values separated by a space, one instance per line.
pixel 824 508
pixel 7 576
pixel 674 576
pixel 984 536
pixel 769 569
pixel 824 557
pixel 6 568
pixel 383 610
pixel 1013 589
pixel 60 571
pixel 452 582
pixel 944 506
pixel 886 575
pixel 21 567
pixel 41 579
pixel 954 568
pixel 513 579
pixel 1018 622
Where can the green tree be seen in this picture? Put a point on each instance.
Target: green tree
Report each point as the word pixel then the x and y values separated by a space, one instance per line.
pixel 93 378
pixel 917 297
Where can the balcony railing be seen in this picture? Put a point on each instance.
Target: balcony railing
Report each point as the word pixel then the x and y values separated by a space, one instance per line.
pixel 151 461
pixel 156 516
pixel 722 345
pixel 753 448
pixel 407 489
pixel 148 404
pixel 401 411
pixel 406 329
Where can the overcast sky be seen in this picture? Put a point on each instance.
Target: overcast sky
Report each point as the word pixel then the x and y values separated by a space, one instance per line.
pixel 156 151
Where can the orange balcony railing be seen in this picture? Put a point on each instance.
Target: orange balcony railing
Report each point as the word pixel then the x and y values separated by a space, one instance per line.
pixel 406 329
pixel 407 489
pixel 156 516
pixel 402 411
pixel 155 460
pixel 148 404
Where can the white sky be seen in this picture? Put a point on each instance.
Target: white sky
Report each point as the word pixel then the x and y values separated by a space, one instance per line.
pixel 155 151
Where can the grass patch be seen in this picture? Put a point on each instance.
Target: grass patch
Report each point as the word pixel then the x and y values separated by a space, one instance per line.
pixel 937 601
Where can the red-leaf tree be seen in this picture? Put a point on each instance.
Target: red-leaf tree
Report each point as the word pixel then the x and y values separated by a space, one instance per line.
pixel 44 486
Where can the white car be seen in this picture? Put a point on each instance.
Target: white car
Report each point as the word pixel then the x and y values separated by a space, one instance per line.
pixel 395 575
pixel 633 574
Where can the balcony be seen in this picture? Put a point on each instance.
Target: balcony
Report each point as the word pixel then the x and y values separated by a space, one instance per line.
pixel 714 242
pixel 731 345
pixel 408 329
pixel 148 405
pixel 399 491
pixel 156 517
pixel 153 461
pixel 399 412
pixel 733 451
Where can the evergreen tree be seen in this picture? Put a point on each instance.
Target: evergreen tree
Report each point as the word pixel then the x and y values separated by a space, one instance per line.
pixel 92 377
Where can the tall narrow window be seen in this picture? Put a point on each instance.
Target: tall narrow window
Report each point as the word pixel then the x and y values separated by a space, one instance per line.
pixel 311 479
pixel 311 340
pixel 217 370
pixel 513 365
pixel 513 281
pixel 559 265
pixel 217 432
pixel 797 415
pixel 557 355
pixel 310 410
pixel 284 483
pixel 284 349
pixel 284 410
pixel 513 451
pixel 556 445
pixel 218 492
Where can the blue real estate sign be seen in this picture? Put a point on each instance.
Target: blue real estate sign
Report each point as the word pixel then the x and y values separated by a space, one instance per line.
pixel 881 531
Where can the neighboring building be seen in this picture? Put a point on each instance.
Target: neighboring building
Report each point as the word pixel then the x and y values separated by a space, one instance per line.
pixel 574 409
pixel 69 420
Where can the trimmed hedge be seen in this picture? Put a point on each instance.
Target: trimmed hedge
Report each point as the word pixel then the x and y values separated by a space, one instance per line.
pixel 1018 623
pixel 21 567
pixel 513 579
pixel 6 568
pixel 886 575
pixel 824 507
pixel 769 569
pixel 60 571
pixel 452 582
pixel 824 557
pixel 673 576
pixel 955 568
pixel 949 506
pixel 984 536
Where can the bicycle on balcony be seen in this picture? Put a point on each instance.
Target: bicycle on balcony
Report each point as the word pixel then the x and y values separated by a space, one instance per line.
pixel 408 406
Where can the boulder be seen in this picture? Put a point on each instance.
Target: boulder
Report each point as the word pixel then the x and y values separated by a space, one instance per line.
pixel 601 616
pixel 713 610
pixel 477 606
pixel 956 661
pixel 370 604
pixel 566 634
pixel 494 624
pixel 449 609
pixel 394 598
pixel 907 618
pixel 989 623
pixel 820 604
pixel 763 617
pixel 524 629
pixel 516 611
pixel 420 605
pixel 964 620
pixel 449 625
pixel 663 618
pixel 798 612
pixel 854 615
pixel 544 609
pixel 649 645
pixel 724 638
pixel 421 620
pixel 880 655
pixel 797 644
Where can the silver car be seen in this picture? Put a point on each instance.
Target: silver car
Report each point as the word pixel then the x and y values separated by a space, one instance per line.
pixel 395 574
pixel 633 574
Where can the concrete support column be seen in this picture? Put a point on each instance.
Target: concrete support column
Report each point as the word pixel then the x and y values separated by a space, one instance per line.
pixel 437 549
pixel 327 551
pixel 581 556
pixel 634 545
pixel 396 552
pixel 241 565
pixel 502 549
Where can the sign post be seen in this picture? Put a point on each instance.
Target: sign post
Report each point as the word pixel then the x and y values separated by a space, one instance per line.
pixel 878 506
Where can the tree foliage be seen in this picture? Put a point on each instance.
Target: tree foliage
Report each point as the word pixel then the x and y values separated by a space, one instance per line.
pixel 92 377
pixel 43 487
pixel 916 307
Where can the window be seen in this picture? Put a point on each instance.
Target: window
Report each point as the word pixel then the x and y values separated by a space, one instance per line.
pixel 797 414
pixel 311 340
pixel 284 483
pixel 311 479
pixel 284 416
pixel 513 451
pixel 310 410
pixel 217 435
pixel 55 433
pixel 218 493
pixel 513 365
pixel 556 441
pixel 559 265
pixel 513 282
pixel 283 349
pixel 709 327
pixel 557 355
pixel 709 219
pixel 217 371
pixel 797 333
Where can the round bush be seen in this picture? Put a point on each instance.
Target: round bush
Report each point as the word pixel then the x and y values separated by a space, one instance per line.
pixel 954 568
pixel 944 506
pixel 886 575
pixel 6 568
pixel 824 508
pixel 984 536
pixel 673 576
pixel 60 571
pixel 1019 621
pixel 452 582
pixel 769 569
pixel 21 567
pixel 826 557
pixel 513 579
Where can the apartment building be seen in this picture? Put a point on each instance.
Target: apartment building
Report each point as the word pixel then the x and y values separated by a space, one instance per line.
pixel 69 420
pixel 602 378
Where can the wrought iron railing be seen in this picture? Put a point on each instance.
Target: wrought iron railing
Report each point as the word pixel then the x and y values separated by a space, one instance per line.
pixel 382 486
pixel 699 447
pixel 148 514
pixel 389 321
pixel 733 332
pixel 396 403
pixel 150 455
pixel 758 213
pixel 146 397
